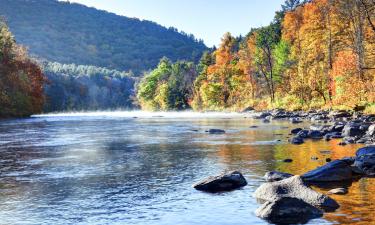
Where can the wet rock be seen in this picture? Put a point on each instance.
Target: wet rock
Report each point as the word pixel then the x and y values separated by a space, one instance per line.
pixel 288 160
pixel 350 140
pixel 262 115
pixel 352 130
pixel 223 182
pixel 295 120
pixel 296 140
pixel 337 170
pixel 314 158
pixel 327 137
pixel 294 187
pixel 371 131
pixel 288 210
pixel 314 134
pixel 319 118
pixel 339 114
pixel 276 176
pixel 343 143
pixel 328 160
pixel 365 160
pixel 295 130
pixel 303 133
pixel 216 131
pixel 338 191
pixel 336 127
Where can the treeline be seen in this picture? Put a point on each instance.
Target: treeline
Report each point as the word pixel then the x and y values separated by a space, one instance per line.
pixel 64 32
pixel 314 54
pixel 75 87
pixel 21 79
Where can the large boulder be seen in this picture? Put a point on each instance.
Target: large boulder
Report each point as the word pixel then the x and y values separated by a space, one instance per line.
pixel 286 210
pixel 223 182
pixel 365 161
pixel 276 176
pixel 337 170
pixel 294 187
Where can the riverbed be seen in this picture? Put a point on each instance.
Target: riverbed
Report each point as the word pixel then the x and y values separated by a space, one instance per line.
pixel 138 168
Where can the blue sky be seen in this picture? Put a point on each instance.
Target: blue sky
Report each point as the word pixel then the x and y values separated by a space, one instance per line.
pixel 206 19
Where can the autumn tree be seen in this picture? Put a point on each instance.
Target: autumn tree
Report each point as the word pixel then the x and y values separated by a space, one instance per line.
pixel 21 79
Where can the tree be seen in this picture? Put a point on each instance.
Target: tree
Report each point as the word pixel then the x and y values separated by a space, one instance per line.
pixel 21 80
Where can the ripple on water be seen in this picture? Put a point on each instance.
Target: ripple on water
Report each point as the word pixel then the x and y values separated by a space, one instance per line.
pixel 111 168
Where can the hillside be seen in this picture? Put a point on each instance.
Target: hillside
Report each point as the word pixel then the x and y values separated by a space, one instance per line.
pixel 73 33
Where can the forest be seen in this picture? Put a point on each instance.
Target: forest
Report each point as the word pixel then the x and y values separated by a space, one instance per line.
pixel 317 54
pixel 73 87
pixel 64 32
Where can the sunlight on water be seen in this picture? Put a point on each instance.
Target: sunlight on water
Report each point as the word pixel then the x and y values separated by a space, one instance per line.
pixel 138 167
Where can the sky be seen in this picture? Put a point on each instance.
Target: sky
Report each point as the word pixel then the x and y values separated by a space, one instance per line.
pixel 206 19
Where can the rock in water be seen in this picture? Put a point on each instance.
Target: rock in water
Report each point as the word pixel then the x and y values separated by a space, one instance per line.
pixel 216 131
pixel 352 130
pixel 295 130
pixel 223 182
pixel 276 176
pixel 294 187
pixel 365 160
pixel 296 140
pixel 287 210
pixel 338 191
pixel 337 170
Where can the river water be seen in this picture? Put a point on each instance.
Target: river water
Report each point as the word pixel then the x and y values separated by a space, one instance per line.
pixel 138 168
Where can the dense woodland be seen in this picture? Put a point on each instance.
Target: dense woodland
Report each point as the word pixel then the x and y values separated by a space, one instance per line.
pixel 314 54
pixel 21 79
pixel 76 87
pixel 64 32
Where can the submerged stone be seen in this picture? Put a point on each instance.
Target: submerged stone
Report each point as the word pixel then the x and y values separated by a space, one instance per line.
pixel 216 131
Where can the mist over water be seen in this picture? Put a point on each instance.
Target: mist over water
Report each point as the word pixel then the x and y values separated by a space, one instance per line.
pixel 142 114
pixel 138 167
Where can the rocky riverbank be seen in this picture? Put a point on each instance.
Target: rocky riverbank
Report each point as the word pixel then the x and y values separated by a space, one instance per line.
pixel 288 198
pixel 351 127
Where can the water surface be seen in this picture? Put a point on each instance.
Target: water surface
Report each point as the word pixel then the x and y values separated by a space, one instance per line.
pixel 138 168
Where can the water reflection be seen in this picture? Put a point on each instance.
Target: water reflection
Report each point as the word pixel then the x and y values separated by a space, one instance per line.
pixel 116 170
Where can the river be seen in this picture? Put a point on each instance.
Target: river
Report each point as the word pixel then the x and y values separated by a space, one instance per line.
pixel 138 168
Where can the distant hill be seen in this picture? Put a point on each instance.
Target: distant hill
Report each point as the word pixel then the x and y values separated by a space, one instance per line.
pixel 73 33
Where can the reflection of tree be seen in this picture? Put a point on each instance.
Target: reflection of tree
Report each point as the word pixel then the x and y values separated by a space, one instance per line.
pixel 357 206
